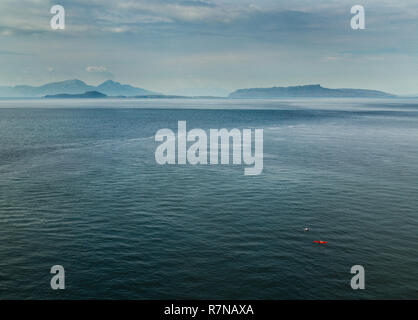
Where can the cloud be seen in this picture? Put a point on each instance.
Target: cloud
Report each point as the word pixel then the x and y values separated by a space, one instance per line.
pixel 96 69
pixel 332 58
pixel 229 43
pixel 96 73
pixel 235 17
pixel 6 33
pixel 117 29
pixel 25 17
pixel 14 53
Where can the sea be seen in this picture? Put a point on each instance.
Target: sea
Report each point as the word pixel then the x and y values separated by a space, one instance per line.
pixel 80 188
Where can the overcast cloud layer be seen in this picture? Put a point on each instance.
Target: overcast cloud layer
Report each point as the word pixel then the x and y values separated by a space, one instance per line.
pixel 212 47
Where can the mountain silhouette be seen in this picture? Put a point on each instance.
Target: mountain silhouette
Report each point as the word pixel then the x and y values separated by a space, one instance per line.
pixel 313 91
pixel 109 88
pixel 86 95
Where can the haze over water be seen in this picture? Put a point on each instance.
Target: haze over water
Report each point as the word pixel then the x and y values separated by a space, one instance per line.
pixel 79 187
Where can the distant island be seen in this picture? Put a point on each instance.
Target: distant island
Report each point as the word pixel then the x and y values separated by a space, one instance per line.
pixel 86 95
pixel 166 96
pixel 99 95
pixel 109 87
pixel 311 91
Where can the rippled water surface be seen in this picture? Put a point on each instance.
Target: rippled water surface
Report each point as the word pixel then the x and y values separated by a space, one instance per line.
pixel 79 187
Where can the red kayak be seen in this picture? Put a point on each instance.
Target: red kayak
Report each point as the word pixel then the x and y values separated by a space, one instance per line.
pixel 320 242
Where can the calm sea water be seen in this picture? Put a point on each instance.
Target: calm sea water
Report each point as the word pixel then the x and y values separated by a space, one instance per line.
pixel 79 187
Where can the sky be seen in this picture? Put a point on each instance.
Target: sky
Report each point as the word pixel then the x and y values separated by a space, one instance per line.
pixel 212 47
